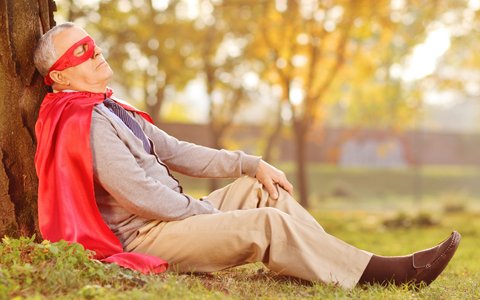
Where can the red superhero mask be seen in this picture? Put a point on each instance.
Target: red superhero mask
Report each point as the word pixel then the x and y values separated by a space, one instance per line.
pixel 69 59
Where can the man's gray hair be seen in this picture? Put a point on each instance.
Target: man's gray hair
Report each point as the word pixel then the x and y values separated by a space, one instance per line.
pixel 45 55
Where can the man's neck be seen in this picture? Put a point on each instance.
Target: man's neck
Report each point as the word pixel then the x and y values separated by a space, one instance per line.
pixel 70 90
pixel 100 88
pixel 65 91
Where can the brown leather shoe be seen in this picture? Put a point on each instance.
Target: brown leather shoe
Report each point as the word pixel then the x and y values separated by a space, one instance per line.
pixel 431 262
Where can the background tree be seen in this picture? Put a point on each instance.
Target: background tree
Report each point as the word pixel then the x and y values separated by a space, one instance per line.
pixel 375 92
pixel 22 22
pixel 322 60
pixel 306 45
pixel 459 68
pixel 222 69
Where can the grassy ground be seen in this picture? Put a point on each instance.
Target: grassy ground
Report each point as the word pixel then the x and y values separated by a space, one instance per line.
pixel 47 271
pixel 386 212
pixel 385 186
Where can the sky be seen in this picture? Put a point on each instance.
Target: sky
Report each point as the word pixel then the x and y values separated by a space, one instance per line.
pixel 425 56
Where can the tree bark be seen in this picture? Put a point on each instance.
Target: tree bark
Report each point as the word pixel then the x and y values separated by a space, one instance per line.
pixel 22 22
pixel 301 159
pixel 272 139
pixel 214 183
pixel 154 109
pixel 277 130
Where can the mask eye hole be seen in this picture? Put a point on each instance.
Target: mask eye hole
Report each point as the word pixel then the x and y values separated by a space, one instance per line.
pixel 81 50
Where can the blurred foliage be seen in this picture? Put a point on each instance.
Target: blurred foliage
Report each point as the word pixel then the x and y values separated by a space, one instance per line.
pixel 458 202
pixel 404 220
pixel 458 68
pixel 282 62
pixel 317 60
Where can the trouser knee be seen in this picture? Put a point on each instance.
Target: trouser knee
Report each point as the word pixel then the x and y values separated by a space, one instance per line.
pixel 272 219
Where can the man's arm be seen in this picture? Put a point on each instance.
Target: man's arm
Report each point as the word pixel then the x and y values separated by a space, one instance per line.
pixel 202 161
pixel 199 161
pixel 117 170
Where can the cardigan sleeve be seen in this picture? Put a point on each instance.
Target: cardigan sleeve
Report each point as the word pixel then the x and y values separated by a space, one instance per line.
pixel 199 161
pixel 117 170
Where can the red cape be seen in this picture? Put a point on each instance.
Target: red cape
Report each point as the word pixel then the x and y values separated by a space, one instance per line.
pixel 67 209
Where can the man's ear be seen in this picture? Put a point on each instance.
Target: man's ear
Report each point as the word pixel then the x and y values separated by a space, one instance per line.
pixel 59 78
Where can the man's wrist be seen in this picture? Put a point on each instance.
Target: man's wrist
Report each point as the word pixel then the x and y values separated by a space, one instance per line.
pixel 250 165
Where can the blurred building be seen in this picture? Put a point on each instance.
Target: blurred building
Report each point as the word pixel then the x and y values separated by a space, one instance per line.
pixel 354 147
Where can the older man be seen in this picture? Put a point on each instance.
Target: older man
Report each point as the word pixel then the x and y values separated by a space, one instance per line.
pixel 105 182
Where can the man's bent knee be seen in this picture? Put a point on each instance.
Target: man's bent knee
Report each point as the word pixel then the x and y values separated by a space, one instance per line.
pixel 271 215
pixel 247 180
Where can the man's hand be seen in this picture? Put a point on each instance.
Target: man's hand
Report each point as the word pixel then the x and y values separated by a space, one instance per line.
pixel 268 175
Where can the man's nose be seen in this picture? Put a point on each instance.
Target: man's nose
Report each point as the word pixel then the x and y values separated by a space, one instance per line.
pixel 97 51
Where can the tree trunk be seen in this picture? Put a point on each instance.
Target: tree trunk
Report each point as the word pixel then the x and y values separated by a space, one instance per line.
pixel 301 159
pixel 154 109
pixel 22 22
pixel 274 135
pixel 214 183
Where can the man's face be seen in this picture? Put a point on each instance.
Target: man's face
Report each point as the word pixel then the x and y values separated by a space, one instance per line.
pixel 91 75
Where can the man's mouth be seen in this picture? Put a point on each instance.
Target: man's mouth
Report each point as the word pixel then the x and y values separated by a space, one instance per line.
pixel 101 64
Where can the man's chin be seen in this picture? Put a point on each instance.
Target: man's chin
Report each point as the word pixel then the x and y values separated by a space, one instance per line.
pixel 107 75
pixel 110 73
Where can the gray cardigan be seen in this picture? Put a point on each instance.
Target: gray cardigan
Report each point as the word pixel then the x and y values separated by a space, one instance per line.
pixel 133 187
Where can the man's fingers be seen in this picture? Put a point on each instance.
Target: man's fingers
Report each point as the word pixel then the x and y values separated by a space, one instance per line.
pixel 285 184
pixel 288 187
pixel 271 189
pixel 270 176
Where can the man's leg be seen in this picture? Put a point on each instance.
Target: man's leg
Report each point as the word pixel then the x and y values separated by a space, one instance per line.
pixel 207 243
pixel 284 236
pixel 423 266
pixel 254 228
pixel 247 193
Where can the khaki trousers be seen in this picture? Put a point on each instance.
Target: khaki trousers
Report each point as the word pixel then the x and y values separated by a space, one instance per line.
pixel 253 228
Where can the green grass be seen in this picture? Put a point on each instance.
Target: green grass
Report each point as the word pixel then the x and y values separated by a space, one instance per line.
pixel 45 271
pixel 389 212
pixel 375 189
